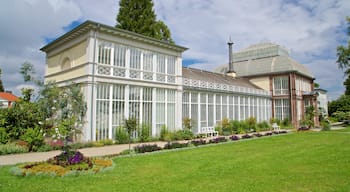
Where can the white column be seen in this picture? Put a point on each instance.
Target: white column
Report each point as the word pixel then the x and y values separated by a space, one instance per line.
pixel 178 108
pixel 199 112
pixel 154 113
pixel 127 64
pixel 110 136
pixel 141 105
pixel 126 97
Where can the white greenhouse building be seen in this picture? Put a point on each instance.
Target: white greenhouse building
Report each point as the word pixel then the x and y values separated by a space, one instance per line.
pixel 124 74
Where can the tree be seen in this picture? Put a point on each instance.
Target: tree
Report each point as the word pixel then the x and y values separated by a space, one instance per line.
pixel 1 86
pixel 138 16
pixel 131 126
pixel 343 61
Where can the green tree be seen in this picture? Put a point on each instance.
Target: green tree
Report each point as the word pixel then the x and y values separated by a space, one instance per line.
pixel 343 61
pixel 342 104
pixel 2 89
pixel 138 16
pixel 131 126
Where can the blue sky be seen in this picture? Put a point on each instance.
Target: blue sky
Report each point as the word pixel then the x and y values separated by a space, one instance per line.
pixel 310 29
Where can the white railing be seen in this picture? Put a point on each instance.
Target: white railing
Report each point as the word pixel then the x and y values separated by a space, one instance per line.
pixel 223 87
pixel 115 71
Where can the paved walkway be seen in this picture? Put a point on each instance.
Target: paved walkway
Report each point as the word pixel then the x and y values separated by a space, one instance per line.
pixel 89 152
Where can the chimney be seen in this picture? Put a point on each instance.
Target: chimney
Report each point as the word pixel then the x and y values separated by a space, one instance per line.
pixel 230 71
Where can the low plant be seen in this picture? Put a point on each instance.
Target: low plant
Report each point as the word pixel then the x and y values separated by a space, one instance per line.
pixel 34 137
pixel 175 145
pixel 263 126
pixel 106 142
pixel 144 133
pixel 218 140
pixel 251 124
pixel 246 136
pixel 146 148
pixel 4 137
pixel 268 134
pixel 235 138
pixel 11 148
pixel 198 142
pixel 235 124
pixel 182 135
pixel 121 135
pixel 325 125
pixel 258 134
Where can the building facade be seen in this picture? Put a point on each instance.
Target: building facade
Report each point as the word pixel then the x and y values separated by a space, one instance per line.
pixel 124 75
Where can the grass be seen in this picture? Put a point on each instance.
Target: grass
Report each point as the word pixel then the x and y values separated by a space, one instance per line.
pixel 307 161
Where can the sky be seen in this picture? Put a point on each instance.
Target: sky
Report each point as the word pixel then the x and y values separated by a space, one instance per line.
pixel 310 29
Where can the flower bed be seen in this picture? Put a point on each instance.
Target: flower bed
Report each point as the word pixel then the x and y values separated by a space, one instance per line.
pixel 66 163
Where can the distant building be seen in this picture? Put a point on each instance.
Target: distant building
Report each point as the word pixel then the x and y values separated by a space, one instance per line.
pixel 124 74
pixel 7 99
pixel 322 101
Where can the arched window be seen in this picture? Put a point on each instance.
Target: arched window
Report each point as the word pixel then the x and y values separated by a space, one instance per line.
pixel 66 64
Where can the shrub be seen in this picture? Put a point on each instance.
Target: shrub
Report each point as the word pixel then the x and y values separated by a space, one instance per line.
pixel 218 140
pixel 235 138
pixel 258 135
pixel 121 135
pixel 175 145
pixel 285 123
pixel 198 142
pixel 34 137
pixel 164 134
pixel 11 148
pixel 251 123
pixel 146 148
pixel 145 133
pixel 325 125
pixel 182 135
pixel 4 137
pixel 263 126
pixel 235 124
pixel 187 124
pixel 226 128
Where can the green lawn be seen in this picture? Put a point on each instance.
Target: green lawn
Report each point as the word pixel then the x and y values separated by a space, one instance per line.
pixel 293 162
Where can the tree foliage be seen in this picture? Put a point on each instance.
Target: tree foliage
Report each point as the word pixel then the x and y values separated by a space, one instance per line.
pixel 342 104
pixel 2 89
pixel 138 16
pixel 343 61
pixel 58 111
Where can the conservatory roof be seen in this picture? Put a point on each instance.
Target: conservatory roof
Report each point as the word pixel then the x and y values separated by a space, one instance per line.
pixel 262 59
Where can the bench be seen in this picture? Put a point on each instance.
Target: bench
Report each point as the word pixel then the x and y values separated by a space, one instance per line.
pixel 275 127
pixel 209 131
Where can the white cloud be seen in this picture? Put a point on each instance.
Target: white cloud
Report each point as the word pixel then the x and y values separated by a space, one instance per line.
pixel 25 25
pixel 311 29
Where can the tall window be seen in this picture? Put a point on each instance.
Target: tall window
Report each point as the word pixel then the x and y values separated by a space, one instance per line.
pixel 119 55
pixel 171 62
pixel 282 109
pixel 102 111
pixel 194 111
pixel 203 107
pixel 135 63
pixel 104 53
pixel 147 65
pixel 280 85
pixel 161 67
